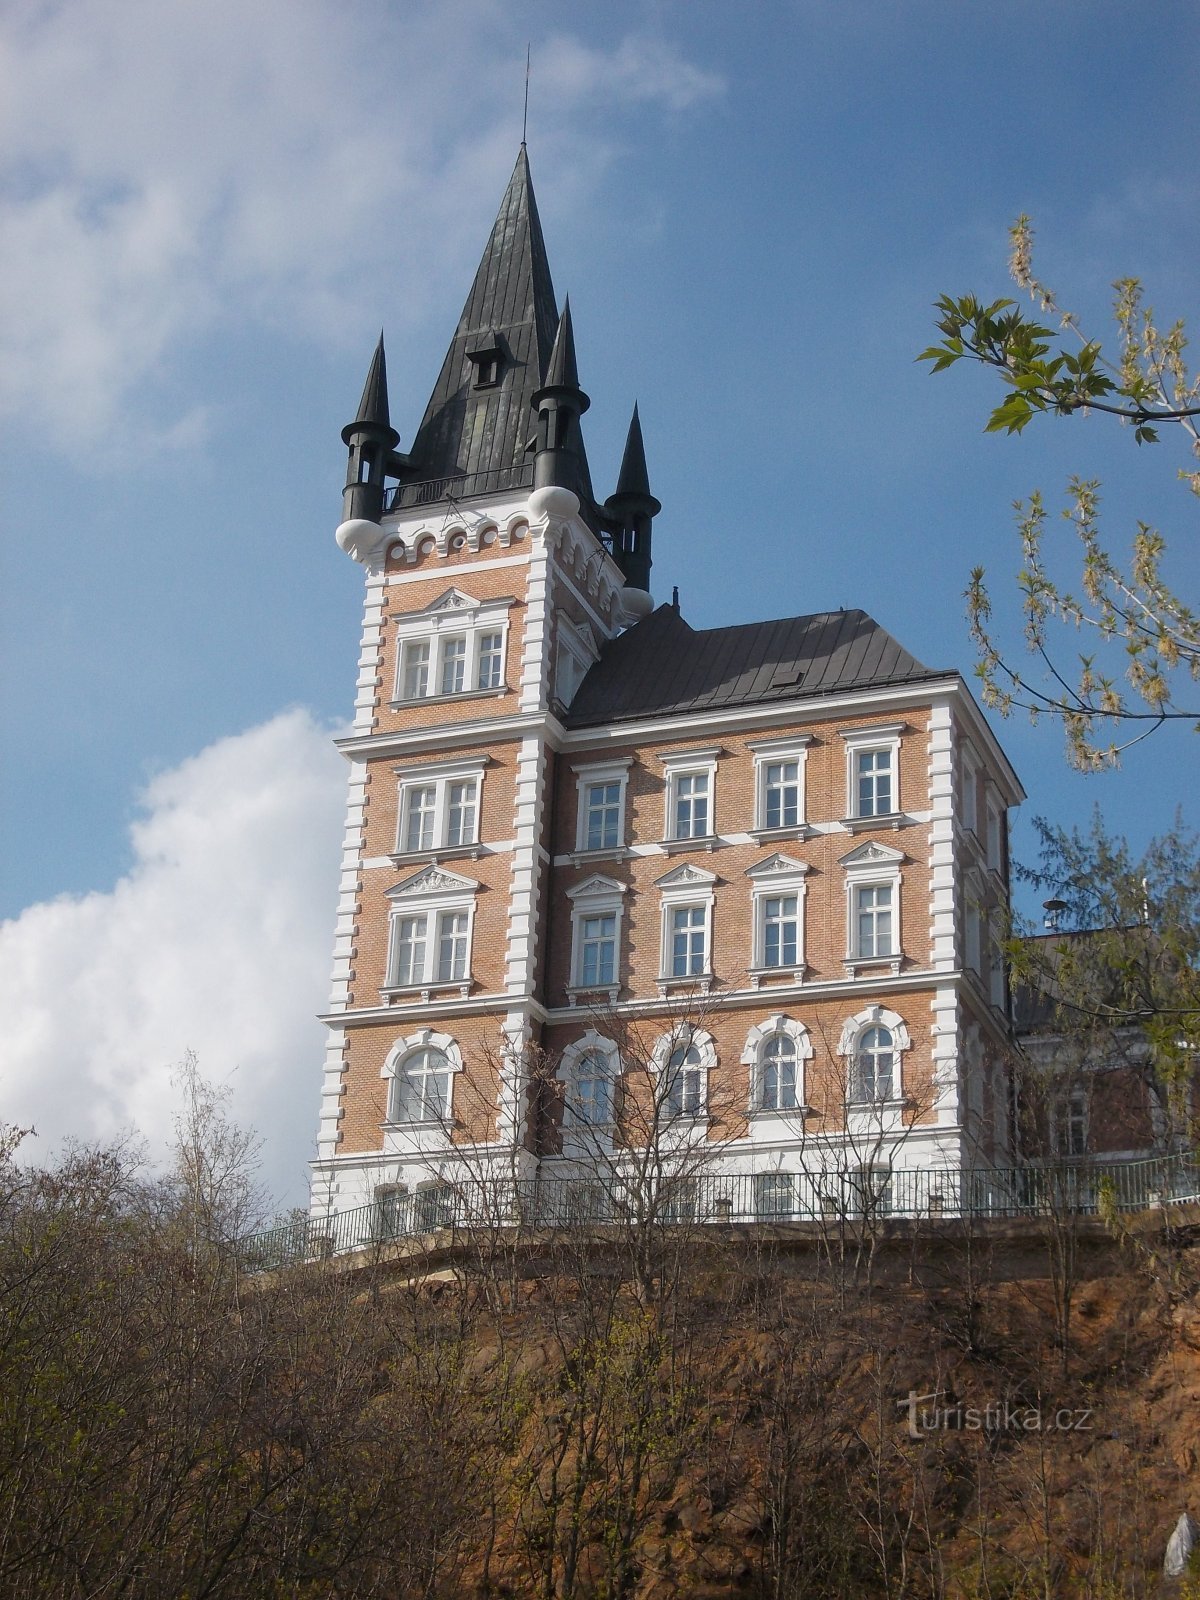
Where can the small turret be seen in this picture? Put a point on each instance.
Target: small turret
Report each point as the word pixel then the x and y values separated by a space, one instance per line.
pixel 559 404
pixel 631 510
pixel 371 439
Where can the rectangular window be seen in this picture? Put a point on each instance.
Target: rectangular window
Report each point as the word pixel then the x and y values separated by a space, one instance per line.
pixel 781 800
pixel 1073 1122
pixel 420 805
pixel 460 813
pixel 691 805
pixel 410 950
pixel 873 783
pixel 774 1194
pixel 995 838
pixel 491 660
pixel 598 951
pixel 452 946
pixel 687 940
pixel 781 930
pixel 873 920
pixel 414 683
pixel 602 816
pixel 441 813
pixel 454 666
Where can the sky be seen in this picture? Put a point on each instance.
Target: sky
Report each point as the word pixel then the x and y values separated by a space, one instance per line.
pixel 207 211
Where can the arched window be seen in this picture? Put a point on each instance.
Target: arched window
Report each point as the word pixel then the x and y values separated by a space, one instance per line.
pixel 874 1071
pixel 775 1053
pixel 778 1089
pixel 685 1083
pixel 420 1088
pixel 590 1091
pixel 872 1044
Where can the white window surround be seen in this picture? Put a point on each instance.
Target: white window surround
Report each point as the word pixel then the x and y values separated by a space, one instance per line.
pixel 777 1026
pixel 393 1066
pixel 601 774
pixel 686 887
pixel 994 840
pixel 884 738
pixel 872 865
pixel 576 652
pixel 968 780
pixel 997 974
pixel 778 877
pixel 434 894
pixel 440 776
pixel 454 616
pixel 768 753
pixel 595 897
pixel 681 764
pixel 683 1038
pixel 853 1030
pixel 973 917
pixel 577 1129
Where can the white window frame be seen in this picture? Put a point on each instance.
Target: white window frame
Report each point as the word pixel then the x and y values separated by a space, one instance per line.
pixel 434 893
pixel 689 764
pixel 580 1136
pixel 575 654
pixel 777 876
pixel 853 1030
pixel 885 736
pixel 777 1026
pixel 873 866
pixel 685 888
pixel 766 753
pixel 974 917
pixel 601 774
pixel 595 897
pixel 994 813
pixel 685 1037
pixel 423 1039
pixel 968 788
pixel 439 776
pixel 453 616
pixel 996 973
pixel 770 1189
pixel 1070 1113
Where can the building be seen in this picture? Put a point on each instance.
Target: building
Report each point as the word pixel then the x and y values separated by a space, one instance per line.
pixel 764 865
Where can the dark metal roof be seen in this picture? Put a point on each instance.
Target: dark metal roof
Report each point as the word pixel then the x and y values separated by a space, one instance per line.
pixel 479 434
pixel 664 666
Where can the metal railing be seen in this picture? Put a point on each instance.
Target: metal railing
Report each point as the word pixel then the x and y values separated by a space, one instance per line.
pixel 458 487
pixel 615 1200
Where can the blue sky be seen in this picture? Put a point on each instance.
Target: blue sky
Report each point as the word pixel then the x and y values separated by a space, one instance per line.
pixel 209 210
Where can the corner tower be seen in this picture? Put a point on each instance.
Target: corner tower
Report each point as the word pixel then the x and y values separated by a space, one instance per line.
pixel 491 587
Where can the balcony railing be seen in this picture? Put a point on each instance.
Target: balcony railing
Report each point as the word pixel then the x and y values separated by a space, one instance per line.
pixel 615 1200
pixel 459 487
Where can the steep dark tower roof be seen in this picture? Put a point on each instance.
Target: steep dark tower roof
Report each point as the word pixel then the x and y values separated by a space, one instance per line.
pixel 633 477
pixel 663 665
pixel 479 419
pixel 373 407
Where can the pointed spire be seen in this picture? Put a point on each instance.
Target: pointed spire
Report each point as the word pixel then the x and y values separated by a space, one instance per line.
pixel 371 440
pixel 633 477
pixel 631 510
pixel 563 370
pixel 476 425
pixel 373 407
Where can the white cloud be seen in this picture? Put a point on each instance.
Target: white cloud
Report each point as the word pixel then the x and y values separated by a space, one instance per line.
pixel 217 940
pixel 170 169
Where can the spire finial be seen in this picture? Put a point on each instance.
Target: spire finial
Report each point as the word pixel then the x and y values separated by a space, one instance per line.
pixel 525 118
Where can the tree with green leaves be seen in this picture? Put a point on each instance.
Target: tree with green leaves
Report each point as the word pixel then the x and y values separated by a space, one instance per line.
pixel 1124 608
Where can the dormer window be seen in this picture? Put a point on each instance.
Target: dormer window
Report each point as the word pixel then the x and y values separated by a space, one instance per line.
pixel 485 357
